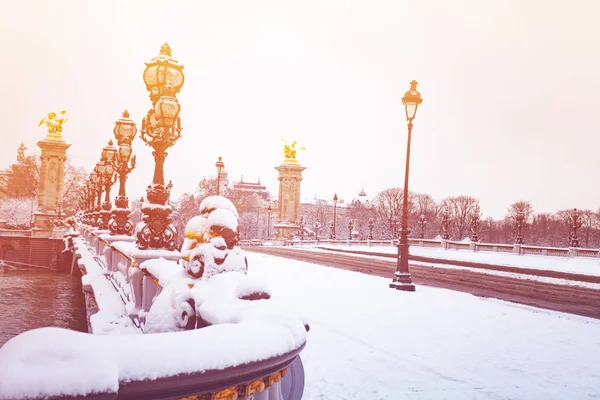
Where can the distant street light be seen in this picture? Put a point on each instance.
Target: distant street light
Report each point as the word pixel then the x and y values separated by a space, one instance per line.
pixel 575 223
pixel 520 220
pixel 220 165
pixel 402 281
pixel 446 224
pixel 371 225
pixel 335 200
pixel 475 225
pixel 422 225
pixel 269 224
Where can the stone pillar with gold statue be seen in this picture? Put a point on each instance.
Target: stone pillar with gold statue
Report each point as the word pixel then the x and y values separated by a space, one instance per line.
pixel 53 157
pixel 288 212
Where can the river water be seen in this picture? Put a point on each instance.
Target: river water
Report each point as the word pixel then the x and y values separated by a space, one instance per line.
pixel 34 299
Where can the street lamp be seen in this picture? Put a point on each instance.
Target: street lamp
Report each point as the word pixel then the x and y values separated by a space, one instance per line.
pixel 350 229
pixel 316 227
pixel 422 225
pixel 161 128
pixel 446 224
pixel 371 225
pixel 335 200
pixel 109 154
pixel 220 165
pixel 269 224
pixel 402 281
pixel 520 220
pixel 575 222
pixel 475 225
pixel 124 131
pixel 99 187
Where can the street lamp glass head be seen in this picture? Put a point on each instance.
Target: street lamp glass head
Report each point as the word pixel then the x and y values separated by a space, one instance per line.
pixel 124 153
pixel 109 152
pixel 109 169
pixel 99 169
pixel 335 198
pixel 220 164
pixel 411 100
pixel 166 111
pixel 125 129
pixel 162 69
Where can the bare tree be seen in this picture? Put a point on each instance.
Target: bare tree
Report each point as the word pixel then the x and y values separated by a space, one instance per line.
pixel 461 209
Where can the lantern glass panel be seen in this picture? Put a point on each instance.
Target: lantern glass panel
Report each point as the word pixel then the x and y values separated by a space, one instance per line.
pixel 150 75
pixel 411 109
pixel 109 170
pixel 124 153
pixel 175 77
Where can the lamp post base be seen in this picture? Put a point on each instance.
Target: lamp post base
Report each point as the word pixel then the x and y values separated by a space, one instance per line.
pixel 402 282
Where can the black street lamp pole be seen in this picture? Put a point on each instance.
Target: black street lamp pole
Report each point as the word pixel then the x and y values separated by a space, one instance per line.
pixel 335 200
pixel 575 220
pixel 402 281
pixel 219 164
pixel 269 224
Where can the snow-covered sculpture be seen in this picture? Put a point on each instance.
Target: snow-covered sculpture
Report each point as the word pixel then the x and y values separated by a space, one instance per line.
pixel 210 245
pixel 210 283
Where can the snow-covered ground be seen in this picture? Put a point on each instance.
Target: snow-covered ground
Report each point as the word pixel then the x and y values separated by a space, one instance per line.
pixel 578 265
pixel 370 342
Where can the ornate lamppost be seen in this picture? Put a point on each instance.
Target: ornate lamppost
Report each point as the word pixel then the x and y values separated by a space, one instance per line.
pixel 402 281
pixel 269 223
pixel 371 225
pixel 446 224
pixel 475 217
pixel 575 223
pixel 520 219
pixel 331 231
pixel 350 230
pixel 335 200
pixel 124 131
pixel 99 187
pixel 422 225
pixel 220 165
pixel 161 128
pixel 316 227
pixel 108 159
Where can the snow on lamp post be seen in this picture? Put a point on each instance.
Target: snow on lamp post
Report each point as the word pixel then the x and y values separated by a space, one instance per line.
pixel 220 165
pixel 422 225
pixel 124 131
pixel 335 200
pixel 161 128
pixel 402 280
pixel 575 223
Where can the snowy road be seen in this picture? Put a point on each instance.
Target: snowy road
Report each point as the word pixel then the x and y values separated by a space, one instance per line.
pixel 583 301
pixel 370 342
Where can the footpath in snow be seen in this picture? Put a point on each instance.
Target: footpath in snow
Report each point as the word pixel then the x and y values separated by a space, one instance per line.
pixel 581 265
pixel 370 342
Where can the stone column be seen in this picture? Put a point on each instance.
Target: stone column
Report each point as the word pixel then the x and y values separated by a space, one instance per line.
pixel 52 170
pixel 288 213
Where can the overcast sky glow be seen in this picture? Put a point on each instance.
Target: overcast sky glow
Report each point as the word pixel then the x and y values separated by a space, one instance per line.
pixel 510 88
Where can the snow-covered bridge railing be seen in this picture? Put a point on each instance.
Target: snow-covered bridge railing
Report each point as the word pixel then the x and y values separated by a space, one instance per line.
pixel 172 324
pixel 446 244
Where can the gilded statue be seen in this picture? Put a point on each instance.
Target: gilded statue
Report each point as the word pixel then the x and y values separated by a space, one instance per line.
pixel 54 123
pixel 289 151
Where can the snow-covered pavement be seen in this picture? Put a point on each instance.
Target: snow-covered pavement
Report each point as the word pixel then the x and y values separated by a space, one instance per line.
pixel 370 342
pixel 577 265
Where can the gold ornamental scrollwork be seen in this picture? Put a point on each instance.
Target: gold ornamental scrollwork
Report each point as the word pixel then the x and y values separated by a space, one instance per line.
pixel 245 390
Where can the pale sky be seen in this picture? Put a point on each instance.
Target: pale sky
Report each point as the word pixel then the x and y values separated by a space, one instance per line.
pixel 510 88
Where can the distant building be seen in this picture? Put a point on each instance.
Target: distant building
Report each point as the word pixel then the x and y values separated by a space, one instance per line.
pixel 244 189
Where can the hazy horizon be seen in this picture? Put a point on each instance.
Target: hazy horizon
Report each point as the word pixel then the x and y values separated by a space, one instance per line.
pixel 509 88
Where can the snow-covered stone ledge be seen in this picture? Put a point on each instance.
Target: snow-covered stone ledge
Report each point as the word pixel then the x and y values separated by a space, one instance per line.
pixel 231 361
